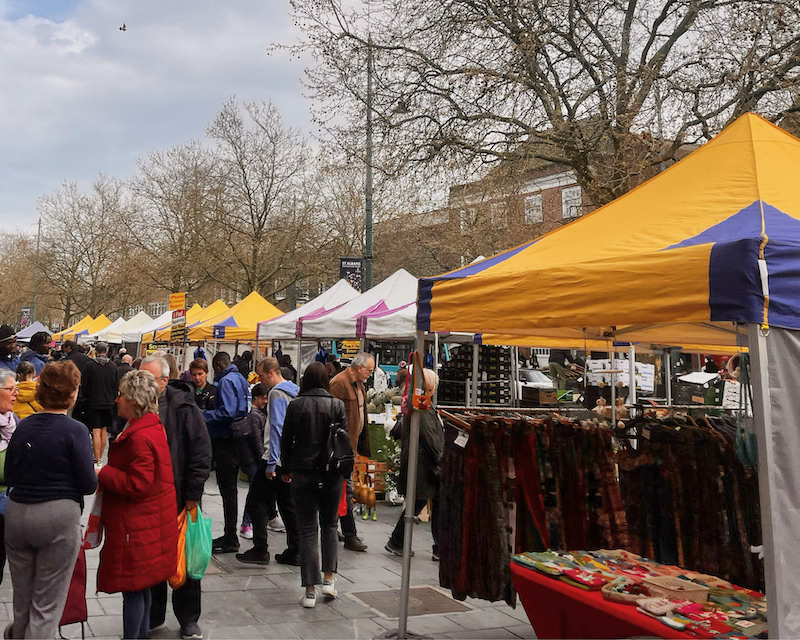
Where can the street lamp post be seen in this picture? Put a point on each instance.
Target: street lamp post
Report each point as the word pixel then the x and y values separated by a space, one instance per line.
pixel 368 255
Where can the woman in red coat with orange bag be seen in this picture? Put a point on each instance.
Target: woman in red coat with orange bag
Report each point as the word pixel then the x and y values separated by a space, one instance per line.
pixel 138 511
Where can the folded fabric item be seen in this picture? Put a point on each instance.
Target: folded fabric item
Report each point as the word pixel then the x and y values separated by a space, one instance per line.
pixel 670 621
pixel 658 606
pixel 689 607
pixel 592 580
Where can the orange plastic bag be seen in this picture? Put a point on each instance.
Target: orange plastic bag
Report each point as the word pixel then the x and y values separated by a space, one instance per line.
pixel 178 580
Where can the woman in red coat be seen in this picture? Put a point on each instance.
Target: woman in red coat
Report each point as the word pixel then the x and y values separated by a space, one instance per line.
pixel 138 510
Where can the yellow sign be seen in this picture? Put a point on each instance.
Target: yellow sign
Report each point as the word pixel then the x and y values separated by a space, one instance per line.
pixel 177 301
pixel 350 347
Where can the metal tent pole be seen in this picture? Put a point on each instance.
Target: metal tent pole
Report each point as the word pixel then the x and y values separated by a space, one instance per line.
pixel 408 518
pixel 631 374
pixel 476 350
pixel 668 375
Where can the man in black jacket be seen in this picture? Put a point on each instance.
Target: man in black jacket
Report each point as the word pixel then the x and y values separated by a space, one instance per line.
pixel 190 450
pixel 100 385
pixel 80 360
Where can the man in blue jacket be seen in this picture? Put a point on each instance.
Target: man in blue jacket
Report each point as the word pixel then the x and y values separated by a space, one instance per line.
pixel 267 483
pixel 38 353
pixel 231 402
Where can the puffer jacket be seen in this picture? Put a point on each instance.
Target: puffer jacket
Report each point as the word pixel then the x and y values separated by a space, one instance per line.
pixel 138 513
pixel 304 443
pixel 25 404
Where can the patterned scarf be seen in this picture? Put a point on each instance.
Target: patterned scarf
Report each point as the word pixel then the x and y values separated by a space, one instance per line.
pixel 8 424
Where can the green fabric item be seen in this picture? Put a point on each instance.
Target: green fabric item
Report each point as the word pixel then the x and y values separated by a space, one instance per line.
pixel 198 544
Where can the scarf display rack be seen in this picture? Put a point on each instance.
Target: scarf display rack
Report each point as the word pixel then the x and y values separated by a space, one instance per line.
pixel 678 489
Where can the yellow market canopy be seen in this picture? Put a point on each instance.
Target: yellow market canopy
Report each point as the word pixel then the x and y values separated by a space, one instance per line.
pixel 712 241
pixel 69 332
pixel 237 323
pixel 194 317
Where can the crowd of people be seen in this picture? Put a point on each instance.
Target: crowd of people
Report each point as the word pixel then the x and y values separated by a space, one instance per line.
pixel 145 437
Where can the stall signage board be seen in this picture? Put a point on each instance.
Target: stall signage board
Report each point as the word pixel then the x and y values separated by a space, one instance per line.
pixel 177 301
pixel 731 396
pixel 350 348
pixel 218 333
pixel 178 330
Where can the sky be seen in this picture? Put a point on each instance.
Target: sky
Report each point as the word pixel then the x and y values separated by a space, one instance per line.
pixel 79 97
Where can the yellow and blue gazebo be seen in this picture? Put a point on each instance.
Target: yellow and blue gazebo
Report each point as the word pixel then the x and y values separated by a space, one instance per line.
pixel 708 253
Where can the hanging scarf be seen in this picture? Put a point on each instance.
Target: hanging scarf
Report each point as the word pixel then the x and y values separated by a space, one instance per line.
pixel 8 423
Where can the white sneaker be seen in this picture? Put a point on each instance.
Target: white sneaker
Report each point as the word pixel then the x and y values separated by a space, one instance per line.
pixel 276 525
pixel 246 532
pixel 329 588
pixel 309 600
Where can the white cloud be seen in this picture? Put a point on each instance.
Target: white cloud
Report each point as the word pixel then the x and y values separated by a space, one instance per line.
pixel 80 96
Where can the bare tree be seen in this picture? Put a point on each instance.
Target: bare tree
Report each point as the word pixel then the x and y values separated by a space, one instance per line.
pixel 266 207
pixel 177 193
pixel 83 259
pixel 608 88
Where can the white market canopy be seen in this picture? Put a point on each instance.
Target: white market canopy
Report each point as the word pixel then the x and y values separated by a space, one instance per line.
pixel 89 338
pixel 134 334
pixel 386 311
pixel 27 333
pixel 289 326
pixel 113 334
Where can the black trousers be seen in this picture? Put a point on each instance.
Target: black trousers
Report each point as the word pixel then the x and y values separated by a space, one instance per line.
pixel 185 603
pixel 225 454
pixel 348 521
pixel 316 495
pixel 262 494
pixel 399 534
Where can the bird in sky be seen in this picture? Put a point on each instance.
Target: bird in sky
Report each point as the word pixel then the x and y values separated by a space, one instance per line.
pixel 123 27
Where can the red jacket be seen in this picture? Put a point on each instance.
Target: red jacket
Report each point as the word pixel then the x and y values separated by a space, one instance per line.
pixel 138 513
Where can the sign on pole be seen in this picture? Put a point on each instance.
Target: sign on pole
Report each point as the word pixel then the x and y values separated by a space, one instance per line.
pixel 352 270
pixel 177 301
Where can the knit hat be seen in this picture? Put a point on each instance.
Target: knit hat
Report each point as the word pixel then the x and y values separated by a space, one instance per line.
pixel 6 333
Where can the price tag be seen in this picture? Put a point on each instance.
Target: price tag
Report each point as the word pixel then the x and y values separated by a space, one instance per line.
pixel 462 439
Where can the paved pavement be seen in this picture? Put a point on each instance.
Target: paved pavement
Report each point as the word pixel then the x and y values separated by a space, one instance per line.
pixel 245 601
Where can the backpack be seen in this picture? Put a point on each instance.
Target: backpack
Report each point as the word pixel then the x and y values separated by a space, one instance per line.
pixel 340 459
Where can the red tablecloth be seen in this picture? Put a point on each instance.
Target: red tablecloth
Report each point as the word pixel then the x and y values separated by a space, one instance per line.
pixel 558 610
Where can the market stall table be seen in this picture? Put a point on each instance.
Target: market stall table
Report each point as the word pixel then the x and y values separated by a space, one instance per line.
pixel 558 610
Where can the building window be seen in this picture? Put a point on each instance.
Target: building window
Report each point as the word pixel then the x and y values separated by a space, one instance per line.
pixel 571 202
pixel 467 218
pixel 533 208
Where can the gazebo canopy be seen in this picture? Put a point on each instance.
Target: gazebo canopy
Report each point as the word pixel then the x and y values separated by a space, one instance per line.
pixel 712 240
pixel 290 325
pixel 237 323
pixel 67 333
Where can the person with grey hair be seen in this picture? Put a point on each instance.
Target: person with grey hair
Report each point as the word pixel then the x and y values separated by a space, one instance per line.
pixel 431 446
pixel 348 386
pixel 139 519
pixel 99 383
pixel 190 449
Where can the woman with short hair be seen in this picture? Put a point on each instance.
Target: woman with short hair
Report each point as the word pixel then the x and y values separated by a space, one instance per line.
pixel 8 423
pixel 141 530
pixel 49 467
